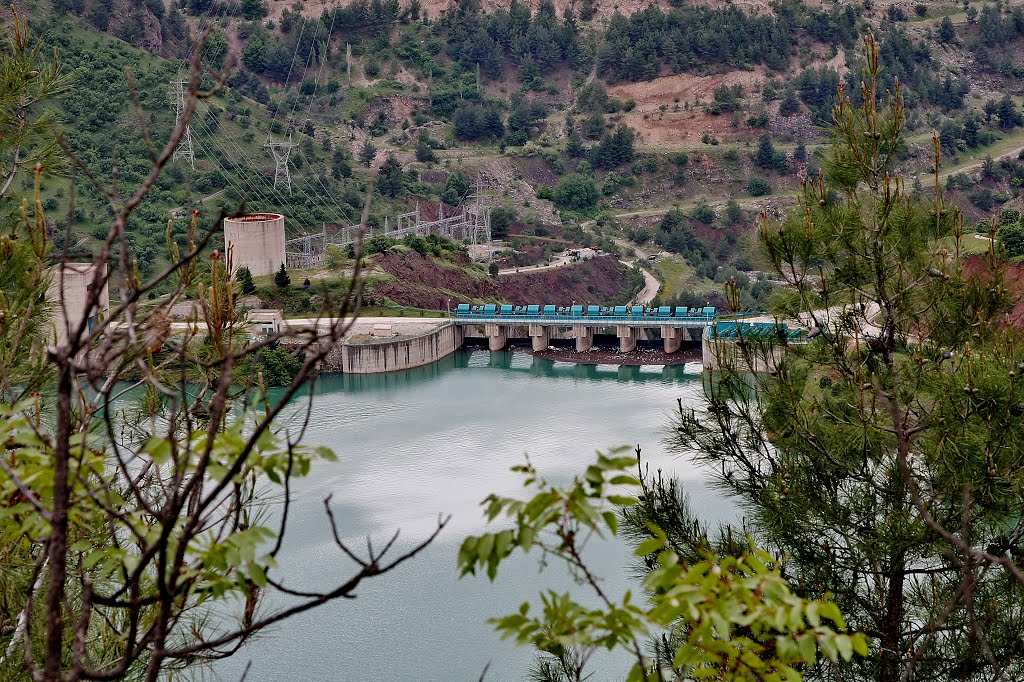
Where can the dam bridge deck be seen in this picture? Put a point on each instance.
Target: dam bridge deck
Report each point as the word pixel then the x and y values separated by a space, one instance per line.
pixel 584 316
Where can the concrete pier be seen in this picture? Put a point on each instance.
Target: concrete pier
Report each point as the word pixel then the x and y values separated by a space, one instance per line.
pixel 584 338
pixel 540 336
pixel 628 372
pixel 627 338
pixel 673 338
pixel 496 336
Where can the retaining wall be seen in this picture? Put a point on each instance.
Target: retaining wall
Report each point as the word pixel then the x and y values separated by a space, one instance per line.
pixel 392 355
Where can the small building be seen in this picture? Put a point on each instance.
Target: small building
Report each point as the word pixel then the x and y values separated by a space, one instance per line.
pixel 255 241
pixel 68 296
pixel 264 321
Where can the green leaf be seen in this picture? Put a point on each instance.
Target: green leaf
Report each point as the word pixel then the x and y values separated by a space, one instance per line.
pixel 649 546
pixel 808 648
pixel 612 521
pixel 845 647
pixel 327 454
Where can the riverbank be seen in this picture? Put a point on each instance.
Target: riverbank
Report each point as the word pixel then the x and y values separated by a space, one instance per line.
pixel 608 356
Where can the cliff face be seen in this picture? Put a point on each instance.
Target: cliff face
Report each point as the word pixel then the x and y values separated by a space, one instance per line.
pixel 422 282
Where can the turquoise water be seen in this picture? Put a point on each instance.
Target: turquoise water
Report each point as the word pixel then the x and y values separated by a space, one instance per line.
pixel 437 440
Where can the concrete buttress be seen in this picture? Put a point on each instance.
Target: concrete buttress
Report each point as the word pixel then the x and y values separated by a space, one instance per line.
pixel 627 338
pixel 496 336
pixel 584 338
pixel 540 336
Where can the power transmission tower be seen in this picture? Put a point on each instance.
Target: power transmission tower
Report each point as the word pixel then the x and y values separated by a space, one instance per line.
pixel 281 152
pixel 184 149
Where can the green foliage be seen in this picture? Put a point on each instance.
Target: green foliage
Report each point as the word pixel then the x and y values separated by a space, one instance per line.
pixel 390 177
pixel 254 10
pixel 28 79
pixel 425 148
pixel 758 186
pixel 733 213
pixel 275 365
pixel 577 192
pixel 478 122
pixel 368 152
pixel 702 212
pixel 244 277
pixel 728 617
pixel 614 149
pixel 501 218
pixel 903 465
pixel 282 280
pixel 635 47
pixel 947 32
pixel 1011 239
pixel 456 188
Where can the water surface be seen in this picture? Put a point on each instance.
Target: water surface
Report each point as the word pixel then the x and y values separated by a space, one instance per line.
pixel 436 440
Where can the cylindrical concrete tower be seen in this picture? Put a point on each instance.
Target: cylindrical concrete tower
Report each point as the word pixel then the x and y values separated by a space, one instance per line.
pixel 255 241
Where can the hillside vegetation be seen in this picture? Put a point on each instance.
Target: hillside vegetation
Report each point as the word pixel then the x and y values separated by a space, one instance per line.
pixel 707 112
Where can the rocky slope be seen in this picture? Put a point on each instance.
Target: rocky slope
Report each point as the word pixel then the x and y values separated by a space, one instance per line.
pixel 423 282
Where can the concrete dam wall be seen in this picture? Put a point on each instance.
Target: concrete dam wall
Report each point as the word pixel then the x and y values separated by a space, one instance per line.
pixel 391 355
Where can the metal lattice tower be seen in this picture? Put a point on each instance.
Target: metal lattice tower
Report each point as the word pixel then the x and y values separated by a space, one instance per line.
pixel 281 152
pixel 184 149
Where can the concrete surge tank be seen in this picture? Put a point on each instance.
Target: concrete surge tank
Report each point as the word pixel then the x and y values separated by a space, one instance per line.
pixel 255 241
pixel 68 294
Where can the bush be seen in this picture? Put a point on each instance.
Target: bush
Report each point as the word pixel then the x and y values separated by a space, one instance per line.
pixel 758 186
pixel 982 198
pixel 1011 239
pixel 703 213
pixel 577 192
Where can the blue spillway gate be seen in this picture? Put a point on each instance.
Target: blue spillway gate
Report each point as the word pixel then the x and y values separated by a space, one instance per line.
pixel 592 315
pixel 756 330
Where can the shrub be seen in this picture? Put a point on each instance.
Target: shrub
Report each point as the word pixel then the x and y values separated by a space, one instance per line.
pixel 703 213
pixel 577 191
pixel 758 186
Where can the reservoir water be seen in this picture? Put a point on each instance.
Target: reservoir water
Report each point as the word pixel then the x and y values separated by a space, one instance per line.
pixel 436 440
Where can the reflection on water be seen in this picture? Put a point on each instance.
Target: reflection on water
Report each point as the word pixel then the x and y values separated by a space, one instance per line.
pixel 519 362
pixel 438 439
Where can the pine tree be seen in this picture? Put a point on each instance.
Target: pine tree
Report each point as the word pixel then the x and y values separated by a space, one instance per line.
pixel 281 278
pixel 390 178
pixel 881 457
pixel 367 152
pixel 947 32
pixel 424 150
pixel 244 277
pixel 1008 115
pixel 765 154
pixel 790 104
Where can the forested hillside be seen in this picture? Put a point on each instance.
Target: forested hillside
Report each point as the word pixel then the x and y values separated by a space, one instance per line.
pixel 587 122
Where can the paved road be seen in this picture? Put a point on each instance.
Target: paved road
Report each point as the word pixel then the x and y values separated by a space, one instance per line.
pixel 650 290
pixel 363 325
pixel 557 263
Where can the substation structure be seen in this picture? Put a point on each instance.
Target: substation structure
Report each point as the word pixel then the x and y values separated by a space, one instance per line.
pixel 470 224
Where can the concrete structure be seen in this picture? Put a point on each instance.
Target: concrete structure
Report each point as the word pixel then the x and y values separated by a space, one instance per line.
pixel 68 295
pixel 264 321
pixel 541 325
pixel 497 336
pixel 256 241
pixel 391 355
